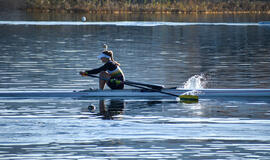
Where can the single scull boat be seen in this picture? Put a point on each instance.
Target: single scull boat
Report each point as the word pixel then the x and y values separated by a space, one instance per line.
pixel 134 93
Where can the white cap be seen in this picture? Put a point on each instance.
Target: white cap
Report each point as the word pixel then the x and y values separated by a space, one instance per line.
pixel 103 55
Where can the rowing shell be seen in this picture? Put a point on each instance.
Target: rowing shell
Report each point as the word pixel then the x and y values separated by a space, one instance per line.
pixel 134 93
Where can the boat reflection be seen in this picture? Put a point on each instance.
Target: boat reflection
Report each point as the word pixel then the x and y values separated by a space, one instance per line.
pixel 111 110
pixel 118 109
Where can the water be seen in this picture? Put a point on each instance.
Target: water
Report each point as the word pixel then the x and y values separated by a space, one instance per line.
pixel 143 129
pixel 234 54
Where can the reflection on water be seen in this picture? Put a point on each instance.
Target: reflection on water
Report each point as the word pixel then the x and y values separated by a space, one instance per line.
pixel 64 128
pixel 52 56
pixel 110 111
pixel 160 149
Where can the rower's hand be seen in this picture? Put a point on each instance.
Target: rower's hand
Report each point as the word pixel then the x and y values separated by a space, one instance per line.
pixel 83 74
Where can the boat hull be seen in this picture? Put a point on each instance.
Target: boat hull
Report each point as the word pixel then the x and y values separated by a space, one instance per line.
pixel 136 93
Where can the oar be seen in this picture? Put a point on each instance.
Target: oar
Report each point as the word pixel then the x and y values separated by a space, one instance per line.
pixel 183 98
pixel 153 86
pixel 192 98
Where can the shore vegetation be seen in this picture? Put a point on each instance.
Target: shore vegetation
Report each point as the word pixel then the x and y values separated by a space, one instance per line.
pixel 150 6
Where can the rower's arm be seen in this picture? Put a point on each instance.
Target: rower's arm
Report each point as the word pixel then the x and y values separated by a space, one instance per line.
pixel 97 70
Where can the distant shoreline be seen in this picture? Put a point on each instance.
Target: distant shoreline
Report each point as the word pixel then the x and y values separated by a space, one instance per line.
pixel 151 6
pixel 141 6
pixel 145 12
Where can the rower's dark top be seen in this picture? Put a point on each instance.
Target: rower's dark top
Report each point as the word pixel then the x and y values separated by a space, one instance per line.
pixel 111 67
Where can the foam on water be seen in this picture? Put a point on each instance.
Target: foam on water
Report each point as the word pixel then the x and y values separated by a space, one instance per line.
pixel 194 83
pixel 122 23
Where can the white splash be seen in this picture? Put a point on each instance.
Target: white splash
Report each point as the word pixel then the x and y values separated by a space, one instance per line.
pixel 196 82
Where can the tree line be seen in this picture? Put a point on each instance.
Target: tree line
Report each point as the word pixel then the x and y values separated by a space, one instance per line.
pixel 150 6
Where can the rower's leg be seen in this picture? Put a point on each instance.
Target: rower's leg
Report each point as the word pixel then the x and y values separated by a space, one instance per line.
pixel 102 82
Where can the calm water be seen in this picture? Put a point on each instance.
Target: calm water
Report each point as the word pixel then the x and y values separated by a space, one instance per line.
pixel 232 55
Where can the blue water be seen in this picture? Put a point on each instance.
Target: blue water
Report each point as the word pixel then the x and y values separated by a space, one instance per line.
pixel 138 129
pixel 230 51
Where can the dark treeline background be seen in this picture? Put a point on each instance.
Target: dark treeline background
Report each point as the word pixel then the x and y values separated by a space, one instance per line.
pixel 153 6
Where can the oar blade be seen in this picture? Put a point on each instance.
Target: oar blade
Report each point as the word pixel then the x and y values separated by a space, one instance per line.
pixel 189 98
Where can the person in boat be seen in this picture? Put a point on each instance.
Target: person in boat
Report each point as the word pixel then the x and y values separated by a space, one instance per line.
pixel 110 72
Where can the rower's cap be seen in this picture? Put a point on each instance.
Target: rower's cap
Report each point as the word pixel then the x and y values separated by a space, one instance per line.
pixel 103 55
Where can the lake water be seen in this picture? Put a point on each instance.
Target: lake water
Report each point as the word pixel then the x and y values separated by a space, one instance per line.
pixel 230 51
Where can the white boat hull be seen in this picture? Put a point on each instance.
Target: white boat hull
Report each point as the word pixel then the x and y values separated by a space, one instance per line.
pixel 135 93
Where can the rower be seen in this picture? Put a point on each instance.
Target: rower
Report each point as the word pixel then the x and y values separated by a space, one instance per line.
pixel 110 72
